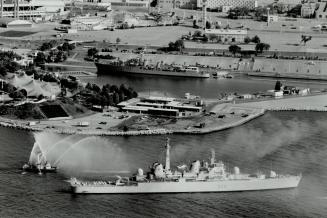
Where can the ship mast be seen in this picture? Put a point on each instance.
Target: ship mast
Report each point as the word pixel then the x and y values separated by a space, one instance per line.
pixel 167 166
pixel 213 154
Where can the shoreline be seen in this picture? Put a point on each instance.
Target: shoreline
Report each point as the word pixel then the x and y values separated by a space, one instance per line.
pixel 233 114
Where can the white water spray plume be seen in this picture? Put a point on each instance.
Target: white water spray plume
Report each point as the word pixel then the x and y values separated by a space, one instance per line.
pixel 76 155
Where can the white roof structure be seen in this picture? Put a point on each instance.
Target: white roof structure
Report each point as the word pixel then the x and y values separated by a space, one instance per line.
pixel 10 22
pixel 226 31
pixel 34 87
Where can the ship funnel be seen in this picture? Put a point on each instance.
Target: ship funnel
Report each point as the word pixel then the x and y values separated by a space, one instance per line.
pixel 195 167
pixel 213 156
pixel 167 166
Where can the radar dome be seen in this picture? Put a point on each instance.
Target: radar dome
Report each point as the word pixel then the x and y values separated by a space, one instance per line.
pixel 140 172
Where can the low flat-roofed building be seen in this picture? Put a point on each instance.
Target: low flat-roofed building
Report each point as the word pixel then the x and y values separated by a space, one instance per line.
pixel 212 4
pixel 32 8
pixel 236 35
pixel 164 112
pixel 135 109
pixel 161 106
pixel 148 104
pixel 14 23
pixel 130 3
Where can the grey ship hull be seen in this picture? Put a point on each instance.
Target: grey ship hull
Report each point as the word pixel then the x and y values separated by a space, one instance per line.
pixel 104 69
pixel 253 184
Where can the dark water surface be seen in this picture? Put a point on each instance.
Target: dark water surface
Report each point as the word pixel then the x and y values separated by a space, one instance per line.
pixel 289 142
pixel 207 88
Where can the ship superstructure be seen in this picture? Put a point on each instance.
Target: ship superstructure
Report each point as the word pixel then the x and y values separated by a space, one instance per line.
pixel 201 177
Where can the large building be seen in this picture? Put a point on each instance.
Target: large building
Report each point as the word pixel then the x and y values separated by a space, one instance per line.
pixel 30 9
pixel 213 4
pixel 170 4
pixel 130 3
pixel 163 106
pixel 227 35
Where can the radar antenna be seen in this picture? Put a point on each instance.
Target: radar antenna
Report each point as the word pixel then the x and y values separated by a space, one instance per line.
pixel 213 156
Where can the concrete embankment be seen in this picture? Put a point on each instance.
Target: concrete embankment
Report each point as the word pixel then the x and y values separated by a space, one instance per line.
pixel 222 127
pixel 9 124
pixel 235 115
pixel 305 103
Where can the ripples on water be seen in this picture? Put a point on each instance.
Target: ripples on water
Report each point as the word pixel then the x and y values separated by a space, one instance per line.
pixel 289 142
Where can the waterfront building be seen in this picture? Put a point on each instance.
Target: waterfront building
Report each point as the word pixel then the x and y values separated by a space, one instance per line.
pixel 213 4
pixel 97 2
pixel 228 35
pixel 170 4
pixel 7 22
pixel 31 9
pixel 163 106
pixel 130 3
pixel 85 23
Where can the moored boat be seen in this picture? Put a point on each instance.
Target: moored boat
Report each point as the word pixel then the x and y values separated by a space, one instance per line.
pixel 138 66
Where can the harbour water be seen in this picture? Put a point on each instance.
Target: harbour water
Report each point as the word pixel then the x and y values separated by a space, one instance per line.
pixel 207 88
pixel 288 142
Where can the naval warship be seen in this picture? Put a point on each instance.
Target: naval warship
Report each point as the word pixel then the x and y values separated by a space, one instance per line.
pixel 206 177
pixel 140 66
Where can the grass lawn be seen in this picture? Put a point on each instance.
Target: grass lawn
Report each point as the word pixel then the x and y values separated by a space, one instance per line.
pixel 14 33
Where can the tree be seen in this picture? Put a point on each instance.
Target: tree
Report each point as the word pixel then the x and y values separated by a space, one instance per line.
pixel 256 39
pixel 195 25
pixel 116 98
pixel 65 46
pixel 208 25
pixel 92 52
pixel 118 40
pixel 197 33
pixel 247 40
pixel 40 59
pixel 179 44
pixel 71 46
pixel 260 47
pixel 17 95
pixel 96 88
pixel 234 49
pixel 60 57
pixel 278 86
pixel 213 37
pixel 205 38
pixel 88 86
pixel 176 46
pixel 154 3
